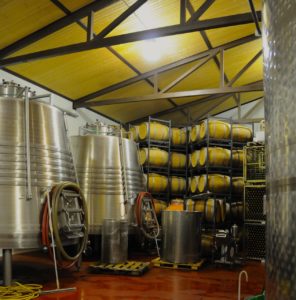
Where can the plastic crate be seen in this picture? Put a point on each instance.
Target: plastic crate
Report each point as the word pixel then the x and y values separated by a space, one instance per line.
pixel 254 163
pixel 254 241
pixel 254 203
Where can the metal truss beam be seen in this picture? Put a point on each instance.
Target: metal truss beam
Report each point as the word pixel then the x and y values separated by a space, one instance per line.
pixel 182 106
pixel 55 26
pixel 255 17
pixel 243 119
pixel 90 26
pixel 206 99
pixel 197 15
pixel 183 11
pixel 182 94
pixel 79 102
pixel 132 37
pixel 239 119
pixel 137 72
pixel 187 73
pixel 245 68
pixel 213 106
pixel 219 64
pixel 203 8
pixel 120 19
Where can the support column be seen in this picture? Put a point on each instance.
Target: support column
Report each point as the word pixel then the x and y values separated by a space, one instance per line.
pixel 7 266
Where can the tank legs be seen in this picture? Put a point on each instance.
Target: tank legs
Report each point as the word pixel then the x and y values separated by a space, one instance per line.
pixel 7 266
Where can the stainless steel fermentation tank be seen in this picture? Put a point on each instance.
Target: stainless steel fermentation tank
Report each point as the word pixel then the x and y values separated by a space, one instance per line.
pixel 108 173
pixel 34 154
pixel 279 45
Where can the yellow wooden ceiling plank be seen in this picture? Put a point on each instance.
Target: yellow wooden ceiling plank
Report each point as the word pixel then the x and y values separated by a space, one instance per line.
pixel 224 106
pixel 246 97
pixel 105 16
pixel 133 90
pixel 20 18
pixel 68 35
pixel 129 112
pixel 74 5
pixel 79 74
pixel 170 49
pixel 205 77
pixel 254 73
pixel 167 77
pixel 219 36
pixel 221 8
pixel 236 58
pixel 152 14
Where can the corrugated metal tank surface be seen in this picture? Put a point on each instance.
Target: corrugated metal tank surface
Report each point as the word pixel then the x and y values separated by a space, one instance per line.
pixel 280 106
pixel 51 162
pixel 99 164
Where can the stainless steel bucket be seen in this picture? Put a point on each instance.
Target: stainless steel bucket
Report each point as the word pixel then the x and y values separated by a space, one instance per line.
pixel 114 241
pixel 181 238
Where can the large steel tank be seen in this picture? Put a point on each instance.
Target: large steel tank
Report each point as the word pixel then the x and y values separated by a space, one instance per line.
pixel 280 111
pixel 108 173
pixel 50 158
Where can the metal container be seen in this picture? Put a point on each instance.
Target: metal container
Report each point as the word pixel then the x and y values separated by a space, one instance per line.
pixel 51 162
pixel 102 170
pixel 280 112
pixel 114 241
pixel 181 240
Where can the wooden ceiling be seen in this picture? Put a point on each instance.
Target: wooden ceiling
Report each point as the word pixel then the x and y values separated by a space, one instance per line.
pixel 78 74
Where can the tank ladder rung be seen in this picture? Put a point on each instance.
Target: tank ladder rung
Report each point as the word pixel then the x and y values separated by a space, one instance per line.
pixel 73 210
pixel 70 194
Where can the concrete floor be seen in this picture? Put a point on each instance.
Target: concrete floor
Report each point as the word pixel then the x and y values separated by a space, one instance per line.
pixel 159 284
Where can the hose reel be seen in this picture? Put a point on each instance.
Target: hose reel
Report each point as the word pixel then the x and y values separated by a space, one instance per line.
pixel 69 223
pixel 146 216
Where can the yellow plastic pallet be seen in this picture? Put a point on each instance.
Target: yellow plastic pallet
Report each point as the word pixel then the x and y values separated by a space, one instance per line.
pixel 133 268
pixel 157 262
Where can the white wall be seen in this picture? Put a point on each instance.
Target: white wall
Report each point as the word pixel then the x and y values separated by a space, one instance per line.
pixel 252 110
pixel 257 113
pixel 85 115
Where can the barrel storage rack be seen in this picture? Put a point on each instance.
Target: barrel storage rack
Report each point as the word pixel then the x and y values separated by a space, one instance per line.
pixel 151 144
pixel 206 144
pixel 182 149
pixel 237 155
pixel 254 197
pixel 228 202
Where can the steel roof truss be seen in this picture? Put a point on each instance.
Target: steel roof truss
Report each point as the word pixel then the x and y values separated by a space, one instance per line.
pixel 132 37
pixel 208 98
pixel 168 67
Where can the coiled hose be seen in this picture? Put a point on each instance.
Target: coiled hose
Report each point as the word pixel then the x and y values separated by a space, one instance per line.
pixel 65 260
pixel 139 215
pixel 20 291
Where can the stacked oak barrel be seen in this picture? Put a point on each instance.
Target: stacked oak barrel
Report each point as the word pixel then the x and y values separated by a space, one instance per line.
pixel 163 155
pixel 216 162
